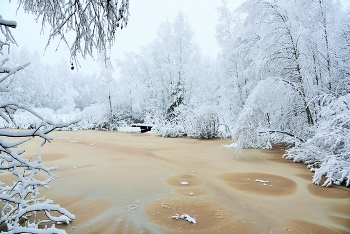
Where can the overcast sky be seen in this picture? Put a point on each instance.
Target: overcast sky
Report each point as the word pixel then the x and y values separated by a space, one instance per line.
pixel 145 18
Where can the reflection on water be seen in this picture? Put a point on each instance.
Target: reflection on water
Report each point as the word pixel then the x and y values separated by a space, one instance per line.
pixel 133 183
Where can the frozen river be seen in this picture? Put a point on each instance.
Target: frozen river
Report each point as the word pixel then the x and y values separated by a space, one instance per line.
pixel 134 183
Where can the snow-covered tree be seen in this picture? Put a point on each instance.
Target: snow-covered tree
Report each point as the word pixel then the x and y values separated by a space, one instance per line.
pixel 327 153
pixel 106 91
pixel 279 53
pixel 237 74
pixel 162 76
pixel 94 24
pixel 342 56
pixel 295 56
pixel 271 115
pixel 36 87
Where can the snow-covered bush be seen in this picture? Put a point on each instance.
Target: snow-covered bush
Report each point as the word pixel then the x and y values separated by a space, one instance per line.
pixel 327 153
pixel 202 122
pixel 98 117
pixel 170 130
pixel 273 112
pixel 206 123
pixel 94 117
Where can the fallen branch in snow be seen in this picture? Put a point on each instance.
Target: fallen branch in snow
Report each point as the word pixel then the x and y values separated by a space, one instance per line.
pixel 185 217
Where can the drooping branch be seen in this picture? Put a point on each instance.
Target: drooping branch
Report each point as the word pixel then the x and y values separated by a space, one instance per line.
pixel 93 23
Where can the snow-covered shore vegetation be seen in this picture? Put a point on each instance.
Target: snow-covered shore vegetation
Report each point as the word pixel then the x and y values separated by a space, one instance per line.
pixel 327 153
pixel 289 63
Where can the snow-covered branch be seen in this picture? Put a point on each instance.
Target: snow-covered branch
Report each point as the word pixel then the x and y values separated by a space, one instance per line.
pixel 8 23
pixel 10 71
pixel 93 23
pixel 5 26
pixel 20 198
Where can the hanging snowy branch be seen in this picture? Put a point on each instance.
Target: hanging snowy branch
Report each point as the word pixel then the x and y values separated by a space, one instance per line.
pixel 93 22
pixel 19 199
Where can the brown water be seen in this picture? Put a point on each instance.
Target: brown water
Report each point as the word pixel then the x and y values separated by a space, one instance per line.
pixel 131 183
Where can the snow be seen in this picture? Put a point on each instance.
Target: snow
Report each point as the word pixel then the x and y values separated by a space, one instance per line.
pixel 184 183
pixel 184 217
pixel 129 129
pixel 9 23
pixel 262 181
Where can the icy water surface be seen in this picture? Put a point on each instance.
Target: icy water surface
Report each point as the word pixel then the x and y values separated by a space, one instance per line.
pixel 134 183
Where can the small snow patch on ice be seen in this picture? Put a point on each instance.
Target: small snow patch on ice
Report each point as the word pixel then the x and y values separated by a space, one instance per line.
pixel 184 182
pixel 185 217
pixel 73 141
pixel 75 167
pixel 262 181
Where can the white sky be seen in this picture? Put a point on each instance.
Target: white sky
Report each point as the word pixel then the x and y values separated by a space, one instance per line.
pixel 145 18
